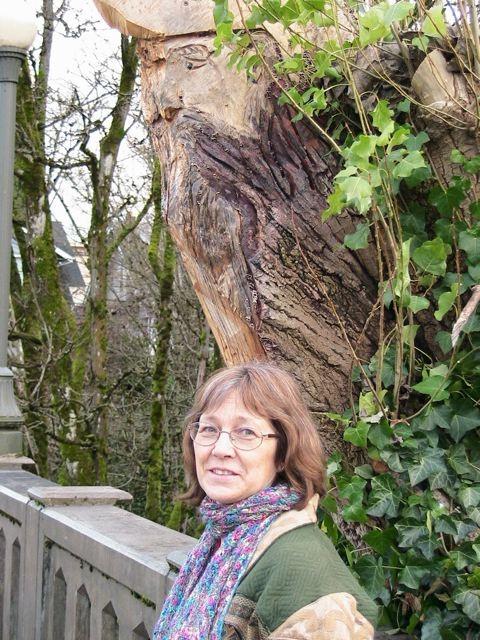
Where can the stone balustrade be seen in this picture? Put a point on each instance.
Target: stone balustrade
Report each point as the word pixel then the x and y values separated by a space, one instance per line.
pixel 73 566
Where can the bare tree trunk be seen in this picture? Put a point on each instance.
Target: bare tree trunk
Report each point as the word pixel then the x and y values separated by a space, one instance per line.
pixel 91 358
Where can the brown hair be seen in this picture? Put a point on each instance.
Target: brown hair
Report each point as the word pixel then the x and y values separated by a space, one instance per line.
pixel 273 394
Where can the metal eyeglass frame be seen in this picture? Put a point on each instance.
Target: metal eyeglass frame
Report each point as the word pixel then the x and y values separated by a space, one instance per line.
pixel 261 436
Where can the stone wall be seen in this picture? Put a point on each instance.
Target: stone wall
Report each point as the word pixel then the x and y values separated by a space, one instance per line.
pixel 73 566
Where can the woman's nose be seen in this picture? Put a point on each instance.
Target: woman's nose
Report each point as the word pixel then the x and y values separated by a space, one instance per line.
pixel 223 446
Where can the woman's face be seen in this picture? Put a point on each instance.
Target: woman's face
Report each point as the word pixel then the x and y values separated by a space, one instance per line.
pixel 248 471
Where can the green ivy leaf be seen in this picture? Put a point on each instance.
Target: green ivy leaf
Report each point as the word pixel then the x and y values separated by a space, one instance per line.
pixel 397 11
pixel 444 341
pixel 469 600
pixel 432 624
pixel 457 458
pixel 406 166
pixel 392 458
pixel 447 200
pixel 472 165
pixel 434 24
pixel 359 238
pixel 381 540
pixel 322 61
pixel 372 575
pixel 474 272
pixel 382 119
pixel 404 106
pixel 351 490
pixel 357 191
pixel 469 241
pixel 364 471
pixel 474 514
pixel 474 209
pixel 445 480
pixel 434 386
pixel 221 12
pixel 361 150
pixel 411 575
pixel 409 332
pixel 334 464
pixel 446 524
pixel 434 416
pixel 469 495
pixel 410 533
pixel 446 301
pixel 431 256
pixel 328 503
pixel 418 303
pixel 415 143
pixel 357 435
pixel 372 26
pixel 421 43
pixel 428 462
pixel 354 512
pixel 384 498
pixel 464 556
pixel 465 417
pixel 399 136
pixel 380 434
pixel 336 203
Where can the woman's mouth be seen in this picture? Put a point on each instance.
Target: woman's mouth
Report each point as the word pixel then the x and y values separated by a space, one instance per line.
pixel 222 472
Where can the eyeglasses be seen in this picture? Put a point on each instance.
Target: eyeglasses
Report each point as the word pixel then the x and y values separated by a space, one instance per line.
pixel 244 438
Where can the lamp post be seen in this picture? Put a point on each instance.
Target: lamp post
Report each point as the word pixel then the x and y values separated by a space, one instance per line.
pixel 17 32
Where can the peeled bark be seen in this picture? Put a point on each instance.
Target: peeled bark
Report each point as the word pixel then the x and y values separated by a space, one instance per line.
pixel 449 113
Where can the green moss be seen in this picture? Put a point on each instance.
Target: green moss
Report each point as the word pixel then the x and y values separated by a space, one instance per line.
pixel 176 516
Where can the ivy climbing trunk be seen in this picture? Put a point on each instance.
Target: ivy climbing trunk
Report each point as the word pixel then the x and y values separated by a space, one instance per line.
pixel 158 499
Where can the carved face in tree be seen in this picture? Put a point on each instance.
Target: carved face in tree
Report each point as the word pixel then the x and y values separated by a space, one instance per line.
pixel 189 77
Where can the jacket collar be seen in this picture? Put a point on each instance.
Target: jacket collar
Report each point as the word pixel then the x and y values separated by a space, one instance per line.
pixel 284 523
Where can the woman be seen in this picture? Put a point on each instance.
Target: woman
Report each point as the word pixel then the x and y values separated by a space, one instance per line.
pixel 262 568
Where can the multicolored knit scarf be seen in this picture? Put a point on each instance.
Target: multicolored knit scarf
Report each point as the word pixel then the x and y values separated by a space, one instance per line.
pixel 204 588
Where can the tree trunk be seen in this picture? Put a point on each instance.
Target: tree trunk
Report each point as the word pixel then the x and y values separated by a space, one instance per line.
pixel 243 192
pixel 156 500
pixel 243 200
pixel 91 357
